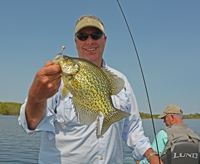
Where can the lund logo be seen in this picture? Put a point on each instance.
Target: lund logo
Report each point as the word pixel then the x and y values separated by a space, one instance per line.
pixel 185 155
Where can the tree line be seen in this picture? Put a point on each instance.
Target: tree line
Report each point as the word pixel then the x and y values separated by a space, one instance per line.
pixel 10 108
pixel 155 116
pixel 13 108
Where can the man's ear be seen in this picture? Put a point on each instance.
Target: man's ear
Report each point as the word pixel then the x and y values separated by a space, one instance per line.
pixel 173 117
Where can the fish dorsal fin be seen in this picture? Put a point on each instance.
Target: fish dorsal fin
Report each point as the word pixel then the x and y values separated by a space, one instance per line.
pixel 84 114
pixel 117 82
pixel 64 92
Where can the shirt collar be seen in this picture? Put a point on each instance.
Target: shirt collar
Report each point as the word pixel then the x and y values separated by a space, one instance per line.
pixel 104 65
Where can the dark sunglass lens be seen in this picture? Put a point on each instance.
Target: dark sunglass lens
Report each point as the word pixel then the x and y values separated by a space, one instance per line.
pixel 82 36
pixel 96 36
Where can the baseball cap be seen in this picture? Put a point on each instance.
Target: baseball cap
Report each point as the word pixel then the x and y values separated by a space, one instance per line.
pixel 170 109
pixel 89 22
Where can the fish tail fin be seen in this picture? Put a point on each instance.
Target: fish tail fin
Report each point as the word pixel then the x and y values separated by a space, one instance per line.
pixel 112 118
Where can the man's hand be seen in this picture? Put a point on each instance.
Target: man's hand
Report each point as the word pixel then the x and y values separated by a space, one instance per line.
pixel 154 159
pixel 137 162
pixel 46 83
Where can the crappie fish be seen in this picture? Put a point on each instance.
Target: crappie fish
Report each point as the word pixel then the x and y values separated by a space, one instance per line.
pixel 91 87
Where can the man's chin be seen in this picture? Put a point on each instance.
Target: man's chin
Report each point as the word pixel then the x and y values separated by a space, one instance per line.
pixel 91 58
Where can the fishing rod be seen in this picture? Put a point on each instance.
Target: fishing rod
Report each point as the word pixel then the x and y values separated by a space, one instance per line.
pixel 142 76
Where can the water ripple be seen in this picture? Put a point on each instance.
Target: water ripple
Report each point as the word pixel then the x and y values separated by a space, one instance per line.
pixel 19 148
pixel 15 145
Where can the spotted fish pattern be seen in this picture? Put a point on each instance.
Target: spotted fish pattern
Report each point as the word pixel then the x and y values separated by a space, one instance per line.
pixel 91 87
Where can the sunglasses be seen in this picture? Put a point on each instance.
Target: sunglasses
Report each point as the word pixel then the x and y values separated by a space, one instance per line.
pixel 84 36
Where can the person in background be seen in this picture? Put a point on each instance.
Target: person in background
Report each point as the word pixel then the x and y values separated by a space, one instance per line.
pixel 173 119
pixel 66 140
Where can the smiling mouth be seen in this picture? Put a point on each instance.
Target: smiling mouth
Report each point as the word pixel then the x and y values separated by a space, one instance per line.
pixel 91 49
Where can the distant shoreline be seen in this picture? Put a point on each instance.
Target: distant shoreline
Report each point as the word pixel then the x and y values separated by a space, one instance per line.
pixel 186 116
pixel 13 109
pixel 161 119
pixel 141 118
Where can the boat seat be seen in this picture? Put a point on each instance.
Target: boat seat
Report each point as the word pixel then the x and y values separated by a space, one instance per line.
pixel 182 153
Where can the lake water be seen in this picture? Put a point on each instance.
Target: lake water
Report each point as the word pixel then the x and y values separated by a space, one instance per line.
pixel 16 147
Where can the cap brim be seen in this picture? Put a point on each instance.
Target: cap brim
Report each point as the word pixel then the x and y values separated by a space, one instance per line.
pixel 162 115
pixel 89 22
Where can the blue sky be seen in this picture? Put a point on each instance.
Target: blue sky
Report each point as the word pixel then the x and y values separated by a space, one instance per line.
pixel 166 33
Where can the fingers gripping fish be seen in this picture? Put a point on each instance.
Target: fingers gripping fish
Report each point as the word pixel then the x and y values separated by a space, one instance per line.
pixel 91 87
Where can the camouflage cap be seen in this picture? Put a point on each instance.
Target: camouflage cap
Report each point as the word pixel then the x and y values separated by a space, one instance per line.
pixel 170 110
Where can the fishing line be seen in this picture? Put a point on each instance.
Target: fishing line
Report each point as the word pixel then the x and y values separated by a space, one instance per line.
pixel 142 76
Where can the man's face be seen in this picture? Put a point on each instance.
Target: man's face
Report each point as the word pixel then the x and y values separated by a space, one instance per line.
pixel 91 49
pixel 168 120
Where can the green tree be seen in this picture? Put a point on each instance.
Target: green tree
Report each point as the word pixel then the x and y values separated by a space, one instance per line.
pixel 5 110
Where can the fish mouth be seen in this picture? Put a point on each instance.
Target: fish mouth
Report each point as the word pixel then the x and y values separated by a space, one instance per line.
pixel 57 58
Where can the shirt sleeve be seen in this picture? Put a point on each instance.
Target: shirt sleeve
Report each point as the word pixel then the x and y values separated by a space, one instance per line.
pixel 133 133
pixel 162 141
pixel 47 124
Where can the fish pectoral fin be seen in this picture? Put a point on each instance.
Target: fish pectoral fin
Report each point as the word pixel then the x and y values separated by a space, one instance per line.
pixel 75 83
pixel 112 118
pixel 64 92
pixel 117 82
pixel 84 114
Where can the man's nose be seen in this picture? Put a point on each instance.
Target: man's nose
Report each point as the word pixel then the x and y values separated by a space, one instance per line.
pixel 90 40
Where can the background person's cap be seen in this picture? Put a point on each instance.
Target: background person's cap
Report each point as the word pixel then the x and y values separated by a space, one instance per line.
pixel 169 110
pixel 89 22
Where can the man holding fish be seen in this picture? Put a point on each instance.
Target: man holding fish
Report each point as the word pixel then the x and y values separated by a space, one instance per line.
pixel 80 121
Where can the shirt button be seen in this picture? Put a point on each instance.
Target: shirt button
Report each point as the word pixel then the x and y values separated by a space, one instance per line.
pixel 63 126
pixel 100 115
pixel 101 158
